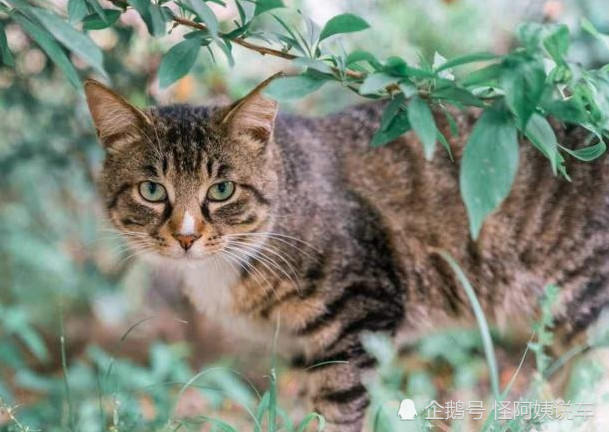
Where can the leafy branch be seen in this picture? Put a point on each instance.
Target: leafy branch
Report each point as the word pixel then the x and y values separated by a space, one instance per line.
pixel 517 92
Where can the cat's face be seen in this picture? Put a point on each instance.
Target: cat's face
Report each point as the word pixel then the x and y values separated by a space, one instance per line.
pixel 187 183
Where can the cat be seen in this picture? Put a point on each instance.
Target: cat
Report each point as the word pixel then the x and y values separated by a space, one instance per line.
pixel 296 222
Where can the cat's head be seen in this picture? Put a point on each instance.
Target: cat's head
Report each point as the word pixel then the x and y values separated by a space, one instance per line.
pixel 182 182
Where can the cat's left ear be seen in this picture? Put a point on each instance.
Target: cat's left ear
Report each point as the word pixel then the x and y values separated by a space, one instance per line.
pixel 118 123
pixel 253 116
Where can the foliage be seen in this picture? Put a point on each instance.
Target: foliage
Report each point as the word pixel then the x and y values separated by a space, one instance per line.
pixel 55 255
pixel 518 91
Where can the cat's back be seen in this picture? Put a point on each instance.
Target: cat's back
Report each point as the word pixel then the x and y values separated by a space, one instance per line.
pixel 548 230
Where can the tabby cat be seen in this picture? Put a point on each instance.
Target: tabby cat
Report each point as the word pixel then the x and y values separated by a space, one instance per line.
pixel 298 221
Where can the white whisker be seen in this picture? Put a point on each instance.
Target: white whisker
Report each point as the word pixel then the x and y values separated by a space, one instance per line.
pixel 264 248
pixel 262 260
pixel 272 237
pixel 245 262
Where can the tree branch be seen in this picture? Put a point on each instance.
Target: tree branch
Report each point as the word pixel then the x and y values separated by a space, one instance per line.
pixel 258 48
pixel 239 41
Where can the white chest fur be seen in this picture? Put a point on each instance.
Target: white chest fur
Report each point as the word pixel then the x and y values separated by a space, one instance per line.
pixel 208 286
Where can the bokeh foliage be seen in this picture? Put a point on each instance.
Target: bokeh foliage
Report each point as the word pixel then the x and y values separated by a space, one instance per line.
pixel 58 262
pixel 518 91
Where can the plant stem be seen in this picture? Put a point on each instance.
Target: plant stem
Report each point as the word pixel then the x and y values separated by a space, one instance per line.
pixel 258 48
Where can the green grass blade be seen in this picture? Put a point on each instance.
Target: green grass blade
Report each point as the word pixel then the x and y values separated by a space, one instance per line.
pixel 487 341
pixel 191 382
pixel 303 426
pixel 64 368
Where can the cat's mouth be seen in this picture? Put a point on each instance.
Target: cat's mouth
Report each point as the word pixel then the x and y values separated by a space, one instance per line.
pixel 216 247
pixel 200 253
pixel 188 256
pixel 175 252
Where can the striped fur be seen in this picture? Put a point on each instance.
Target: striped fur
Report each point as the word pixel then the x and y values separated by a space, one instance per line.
pixel 332 238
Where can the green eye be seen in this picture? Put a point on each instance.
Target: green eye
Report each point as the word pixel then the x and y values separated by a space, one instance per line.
pixel 153 192
pixel 221 191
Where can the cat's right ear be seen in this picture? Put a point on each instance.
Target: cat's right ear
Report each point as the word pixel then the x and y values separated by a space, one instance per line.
pixel 117 121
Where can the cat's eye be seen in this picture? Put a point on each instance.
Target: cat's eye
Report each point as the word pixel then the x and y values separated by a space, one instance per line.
pixel 153 192
pixel 221 191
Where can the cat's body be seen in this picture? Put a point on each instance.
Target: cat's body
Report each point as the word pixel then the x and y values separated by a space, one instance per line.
pixel 329 238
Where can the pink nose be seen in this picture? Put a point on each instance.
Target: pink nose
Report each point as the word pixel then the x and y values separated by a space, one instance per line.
pixel 186 240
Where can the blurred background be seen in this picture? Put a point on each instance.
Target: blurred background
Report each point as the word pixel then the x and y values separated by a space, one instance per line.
pixel 73 300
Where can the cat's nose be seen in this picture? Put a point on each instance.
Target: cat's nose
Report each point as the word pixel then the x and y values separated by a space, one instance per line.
pixel 186 240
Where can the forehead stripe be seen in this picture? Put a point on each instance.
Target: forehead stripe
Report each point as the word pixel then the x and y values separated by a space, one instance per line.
pixel 151 171
pixel 223 170
pixel 209 167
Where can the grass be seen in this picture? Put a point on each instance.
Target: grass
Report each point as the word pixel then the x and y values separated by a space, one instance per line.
pixel 100 392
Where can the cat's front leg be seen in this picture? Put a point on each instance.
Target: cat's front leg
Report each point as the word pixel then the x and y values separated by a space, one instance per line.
pixel 337 392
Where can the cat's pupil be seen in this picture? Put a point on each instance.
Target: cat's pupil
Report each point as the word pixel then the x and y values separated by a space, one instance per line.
pixel 152 188
pixel 222 188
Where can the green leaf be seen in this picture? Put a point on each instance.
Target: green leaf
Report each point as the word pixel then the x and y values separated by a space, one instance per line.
pixel 77 10
pixel 418 72
pixel 293 39
pixel 408 89
pixel 50 47
pixel 376 82
pixel 157 20
pixel 263 6
pixel 391 110
pixel 589 27
pixel 530 34
pixel 178 61
pixel 523 81
pixel 344 23
pixel 571 110
pixel 452 123
pixel 239 31
pixel 587 154
pixel 542 136
pixel 227 49
pixel 316 64
pixel 77 42
pixel 488 167
pixel 561 74
pixel 242 13
pixel 362 56
pixel 424 125
pixel 5 54
pixel 445 144
pixel 393 129
pixel 143 8
pixel 97 8
pixel 396 66
pixel 557 43
pixel 457 95
pixel 293 87
pixel 95 22
pixel 484 76
pixel 470 58
pixel 205 14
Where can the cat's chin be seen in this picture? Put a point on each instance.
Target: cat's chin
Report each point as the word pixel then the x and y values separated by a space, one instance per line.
pixel 177 259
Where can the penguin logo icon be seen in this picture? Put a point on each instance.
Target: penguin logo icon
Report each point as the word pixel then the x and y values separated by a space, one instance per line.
pixel 407 410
